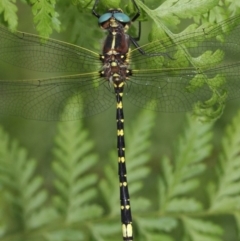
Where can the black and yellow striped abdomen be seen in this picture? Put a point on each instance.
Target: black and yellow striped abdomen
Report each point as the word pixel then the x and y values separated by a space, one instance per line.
pixel 126 215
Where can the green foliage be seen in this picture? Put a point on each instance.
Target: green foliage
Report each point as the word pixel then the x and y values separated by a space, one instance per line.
pixel 23 198
pixel 9 9
pixel 180 178
pixel 225 193
pixel 84 205
pixel 73 160
pixel 45 16
pixel 167 17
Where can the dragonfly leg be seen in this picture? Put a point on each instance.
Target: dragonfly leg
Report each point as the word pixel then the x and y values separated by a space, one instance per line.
pixel 94 9
pixel 136 44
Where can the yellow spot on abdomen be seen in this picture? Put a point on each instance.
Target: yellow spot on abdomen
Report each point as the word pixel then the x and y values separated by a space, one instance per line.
pixel 119 105
pixel 127 230
pixel 120 132
pixel 121 159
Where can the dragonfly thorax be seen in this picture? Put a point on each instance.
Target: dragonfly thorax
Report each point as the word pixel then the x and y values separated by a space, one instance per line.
pixel 116 47
pixel 115 68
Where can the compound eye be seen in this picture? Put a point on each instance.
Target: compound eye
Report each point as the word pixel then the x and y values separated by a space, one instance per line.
pixel 105 17
pixel 121 17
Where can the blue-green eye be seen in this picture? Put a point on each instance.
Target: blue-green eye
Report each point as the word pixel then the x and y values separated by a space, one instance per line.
pixel 105 17
pixel 121 17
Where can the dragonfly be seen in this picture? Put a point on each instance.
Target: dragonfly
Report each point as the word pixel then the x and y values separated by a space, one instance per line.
pixel 165 75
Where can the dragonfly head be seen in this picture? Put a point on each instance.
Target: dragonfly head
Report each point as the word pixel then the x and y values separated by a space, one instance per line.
pixel 113 19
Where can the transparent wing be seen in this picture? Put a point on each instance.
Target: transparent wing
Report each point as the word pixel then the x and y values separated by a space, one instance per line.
pixel 84 93
pixel 157 92
pixel 190 68
pixel 45 55
pixel 79 96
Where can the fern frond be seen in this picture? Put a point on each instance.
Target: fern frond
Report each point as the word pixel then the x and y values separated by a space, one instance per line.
pixel 45 16
pixel 8 8
pixel 164 223
pixel 173 8
pixel 226 196
pixel 199 230
pixel 74 181
pixel 169 14
pixel 156 228
pixel 22 192
pixel 180 177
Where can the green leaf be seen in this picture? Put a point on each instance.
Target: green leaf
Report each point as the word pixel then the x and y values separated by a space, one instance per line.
pixel 227 193
pixel 22 190
pixel 199 230
pixel 181 178
pixel 45 16
pixel 65 234
pixel 182 46
pixel 170 8
pixel 74 158
pixel 166 224
pixel 183 205
pixel 9 9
